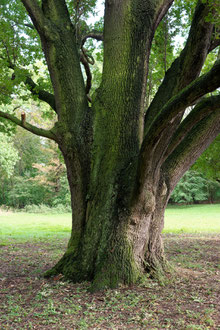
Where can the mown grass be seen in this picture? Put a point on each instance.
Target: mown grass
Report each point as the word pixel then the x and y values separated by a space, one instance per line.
pixel 32 243
pixel 31 226
pixel 192 219
pixel 178 219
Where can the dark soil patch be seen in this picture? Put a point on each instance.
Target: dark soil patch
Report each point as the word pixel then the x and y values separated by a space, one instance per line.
pixel 189 301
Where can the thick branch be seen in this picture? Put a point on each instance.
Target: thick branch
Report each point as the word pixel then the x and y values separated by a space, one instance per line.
pixel 56 11
pixel 33 129
pixel 41 94
pixel 192 146
pixel 164 6
pixel 214 44
pixel 187 66
pixel 200 111
pixel 94 35
pixel 36 14
pixel 88 72
pixel 34 88
pixel 199 87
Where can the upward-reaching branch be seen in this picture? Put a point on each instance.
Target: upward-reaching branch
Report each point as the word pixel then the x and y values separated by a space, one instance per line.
pixel 36 14
pixel 128 32
pixel 203 109
pixel 163 7
pixel 199 87
pixel 191 147
pixel 187 66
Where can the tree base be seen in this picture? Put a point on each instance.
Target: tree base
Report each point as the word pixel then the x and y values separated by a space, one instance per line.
pixel 110 274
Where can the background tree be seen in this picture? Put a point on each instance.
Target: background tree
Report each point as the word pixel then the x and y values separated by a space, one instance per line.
pixel 209 162
pixel 39 175
pixel 122 160
pixel 192 188
pixel 8 158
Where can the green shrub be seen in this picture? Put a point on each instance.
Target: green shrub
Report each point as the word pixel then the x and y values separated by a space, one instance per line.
pixel 42 208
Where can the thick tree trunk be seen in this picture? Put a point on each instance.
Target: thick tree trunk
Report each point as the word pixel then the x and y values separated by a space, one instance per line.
pixel 116 246
pixel 116 229
pixel 121 166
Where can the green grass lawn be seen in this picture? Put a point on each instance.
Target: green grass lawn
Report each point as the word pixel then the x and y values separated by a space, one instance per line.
pixel 26 226
pixel 192 219
pixel 178 219
pixel 32 243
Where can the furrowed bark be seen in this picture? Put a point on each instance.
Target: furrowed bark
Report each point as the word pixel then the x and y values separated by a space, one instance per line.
pixel 191 147
pixel 118 190
pixel 105 254
pixel 40 22
pixel 151 173
pixel 74 127
pixel 182 72
pixel 201 86
pixel 200 111
pixel 187 66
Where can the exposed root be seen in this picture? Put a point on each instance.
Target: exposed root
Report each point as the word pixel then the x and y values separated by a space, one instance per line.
pixel 159 269
pixel 68 267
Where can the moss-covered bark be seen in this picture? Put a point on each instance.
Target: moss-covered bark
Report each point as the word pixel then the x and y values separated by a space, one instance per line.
pixel 120 241
pixel 121 172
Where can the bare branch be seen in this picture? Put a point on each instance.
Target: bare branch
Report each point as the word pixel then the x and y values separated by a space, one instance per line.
pixel 214 44
pixel 35 13
pixel 17 107
pixel 31 26
pixel 88 73
pixel 89 58
pixel 200 111
pixel 40 93
pixel 33 129
pixel 94 35
pixel 191 147
pixel 187 66
pixel 199 87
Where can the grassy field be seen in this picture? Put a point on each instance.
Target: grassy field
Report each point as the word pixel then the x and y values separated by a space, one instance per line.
pixel 178 219
pixel 27 226
pixel 192 219
pixel 30 244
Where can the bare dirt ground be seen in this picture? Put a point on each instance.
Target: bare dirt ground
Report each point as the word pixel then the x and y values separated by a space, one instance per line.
pixel 190 300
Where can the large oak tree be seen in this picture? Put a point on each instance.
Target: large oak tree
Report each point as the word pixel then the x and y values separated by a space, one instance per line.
pixel 122 160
